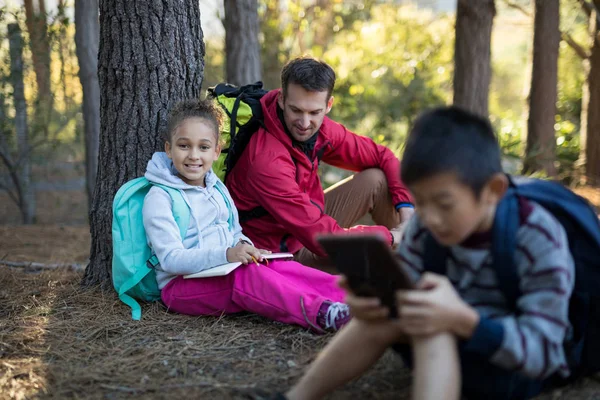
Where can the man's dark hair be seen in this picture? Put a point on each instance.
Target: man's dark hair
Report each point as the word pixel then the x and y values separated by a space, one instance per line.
pixel 310 73
pixel 195 108
pixel 449 139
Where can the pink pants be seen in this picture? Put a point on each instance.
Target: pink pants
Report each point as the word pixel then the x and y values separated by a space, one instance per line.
pixel 284 291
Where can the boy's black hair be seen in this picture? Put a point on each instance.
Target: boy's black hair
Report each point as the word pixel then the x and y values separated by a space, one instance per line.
pixel 450 139
pixel 194 108
pixel 310 73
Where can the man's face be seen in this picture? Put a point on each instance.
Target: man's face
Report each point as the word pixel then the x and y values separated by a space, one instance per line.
pixel 303 110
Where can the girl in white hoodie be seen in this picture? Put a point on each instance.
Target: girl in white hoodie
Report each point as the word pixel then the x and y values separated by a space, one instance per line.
pixel 284 291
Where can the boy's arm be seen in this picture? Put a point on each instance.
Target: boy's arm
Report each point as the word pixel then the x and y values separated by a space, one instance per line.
pixel 166 241
pixel 531 340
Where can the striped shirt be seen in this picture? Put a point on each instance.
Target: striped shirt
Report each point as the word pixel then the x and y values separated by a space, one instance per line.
pixel 530 340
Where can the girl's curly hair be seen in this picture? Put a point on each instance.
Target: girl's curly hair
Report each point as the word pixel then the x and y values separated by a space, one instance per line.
pixel 194 108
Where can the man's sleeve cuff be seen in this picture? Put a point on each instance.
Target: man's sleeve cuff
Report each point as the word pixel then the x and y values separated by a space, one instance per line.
pixel 404 205
pixel 486 339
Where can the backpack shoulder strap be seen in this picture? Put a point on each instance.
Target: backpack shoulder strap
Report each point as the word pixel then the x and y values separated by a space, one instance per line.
pixel 504 246
pixel 181 210
pixel 221 189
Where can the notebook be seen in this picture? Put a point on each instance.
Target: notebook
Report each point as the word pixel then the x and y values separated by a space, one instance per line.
pixel 224 269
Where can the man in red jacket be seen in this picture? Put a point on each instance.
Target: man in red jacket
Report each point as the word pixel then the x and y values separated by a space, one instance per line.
pixel 275 183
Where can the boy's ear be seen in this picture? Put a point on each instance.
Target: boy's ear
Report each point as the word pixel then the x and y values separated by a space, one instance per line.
pixel 497 185
pixel 168 148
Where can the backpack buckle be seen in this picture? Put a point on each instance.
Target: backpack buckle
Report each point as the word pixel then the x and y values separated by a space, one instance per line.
pixel 152 262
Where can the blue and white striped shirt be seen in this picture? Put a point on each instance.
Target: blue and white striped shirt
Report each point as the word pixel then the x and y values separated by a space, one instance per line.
pixel 531 340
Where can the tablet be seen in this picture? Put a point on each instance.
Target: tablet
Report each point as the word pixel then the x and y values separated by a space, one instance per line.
pixel 370 266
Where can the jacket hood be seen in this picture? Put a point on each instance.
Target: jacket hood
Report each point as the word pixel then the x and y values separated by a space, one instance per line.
pixel 276 128
pixel 161 170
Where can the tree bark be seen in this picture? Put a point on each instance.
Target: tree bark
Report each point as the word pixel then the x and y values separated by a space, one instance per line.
pixel 541 142
pixel 151 57
pixel 472 54
pixel 591 141
pixel 270 28
pixel 241 42
pixel 87 38
pixel 23 165
pixel 35 13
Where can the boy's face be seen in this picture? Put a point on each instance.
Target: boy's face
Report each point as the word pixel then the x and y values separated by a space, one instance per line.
pixel 303 110
pixel 450 209
pixel 193 149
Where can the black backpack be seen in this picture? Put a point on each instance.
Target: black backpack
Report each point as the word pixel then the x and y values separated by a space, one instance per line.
pixel 244 117
pixel 582 226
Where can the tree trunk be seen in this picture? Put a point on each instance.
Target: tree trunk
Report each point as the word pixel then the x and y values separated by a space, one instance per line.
pixel 541 142
pixel 241 42
pixel 35 12
pixel 271 53
pixel 87 37
pixel 472 54
pixel 23 166
pixel 591 144
pixel 151 57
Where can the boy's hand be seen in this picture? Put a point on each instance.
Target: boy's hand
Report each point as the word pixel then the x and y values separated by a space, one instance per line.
pixel 435 307
pixel 244 253
pixel 363 308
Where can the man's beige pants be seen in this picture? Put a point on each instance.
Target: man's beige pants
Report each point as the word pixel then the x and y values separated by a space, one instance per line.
pixel 348 202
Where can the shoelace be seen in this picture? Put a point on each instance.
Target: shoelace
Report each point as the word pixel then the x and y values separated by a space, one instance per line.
pixel 335 312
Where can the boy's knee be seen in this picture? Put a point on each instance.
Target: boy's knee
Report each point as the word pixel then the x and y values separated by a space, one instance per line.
pixel 434 344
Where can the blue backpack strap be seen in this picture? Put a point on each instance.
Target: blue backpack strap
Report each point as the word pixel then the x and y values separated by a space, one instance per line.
pixel 504 246
pixel 231 218
pixel 181 210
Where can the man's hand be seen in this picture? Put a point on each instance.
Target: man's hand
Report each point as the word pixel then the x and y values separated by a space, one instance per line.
pixel 405 214
pixel 363 308
pixel 435 307
pixel 244 253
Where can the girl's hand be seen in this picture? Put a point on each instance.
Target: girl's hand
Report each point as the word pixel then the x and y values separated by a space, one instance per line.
pixel 244 253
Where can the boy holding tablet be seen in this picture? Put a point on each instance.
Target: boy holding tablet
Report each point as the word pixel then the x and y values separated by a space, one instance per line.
pixel 459 331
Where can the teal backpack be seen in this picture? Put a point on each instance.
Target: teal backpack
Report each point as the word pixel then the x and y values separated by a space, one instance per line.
pixel 133 263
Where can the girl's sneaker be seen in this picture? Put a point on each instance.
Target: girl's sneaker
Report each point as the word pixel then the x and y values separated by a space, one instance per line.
pixel 333 316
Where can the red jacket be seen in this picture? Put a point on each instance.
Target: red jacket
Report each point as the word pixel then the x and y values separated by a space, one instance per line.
pixel 273 174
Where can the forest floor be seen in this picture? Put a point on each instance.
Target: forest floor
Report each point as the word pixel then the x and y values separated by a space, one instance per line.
pixel 59 340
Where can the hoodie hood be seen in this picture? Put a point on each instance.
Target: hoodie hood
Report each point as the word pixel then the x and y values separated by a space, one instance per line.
pixel 275 126
pixel 160 170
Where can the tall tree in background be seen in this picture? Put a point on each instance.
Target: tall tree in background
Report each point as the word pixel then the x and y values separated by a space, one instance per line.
pixel 87 37
pixel 242 49
pixel 21 167
pixel 541 142
pixel 151 57
pixel 590 141
pixel 472 54
pixel 35 13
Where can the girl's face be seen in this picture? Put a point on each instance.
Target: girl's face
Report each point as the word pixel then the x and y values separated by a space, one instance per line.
pixel 193 149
